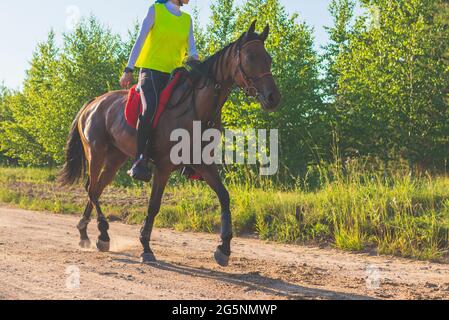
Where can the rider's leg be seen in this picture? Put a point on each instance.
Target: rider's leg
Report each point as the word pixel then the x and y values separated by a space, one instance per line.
pixel 151 85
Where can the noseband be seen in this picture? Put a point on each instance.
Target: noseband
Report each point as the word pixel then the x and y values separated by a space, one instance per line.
pixel 249 82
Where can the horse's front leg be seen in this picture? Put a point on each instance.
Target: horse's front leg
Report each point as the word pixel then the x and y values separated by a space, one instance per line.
pixel 160 179
pixel 212 177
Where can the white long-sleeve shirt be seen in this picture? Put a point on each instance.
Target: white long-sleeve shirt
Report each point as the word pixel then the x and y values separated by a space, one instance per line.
pixel 148 24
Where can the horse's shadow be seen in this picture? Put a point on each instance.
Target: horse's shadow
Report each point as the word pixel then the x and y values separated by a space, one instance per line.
pixel 252 281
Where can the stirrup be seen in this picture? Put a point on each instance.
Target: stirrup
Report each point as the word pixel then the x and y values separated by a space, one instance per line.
pixel 140 170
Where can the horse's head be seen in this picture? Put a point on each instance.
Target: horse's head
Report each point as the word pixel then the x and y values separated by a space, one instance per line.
pixel 253 69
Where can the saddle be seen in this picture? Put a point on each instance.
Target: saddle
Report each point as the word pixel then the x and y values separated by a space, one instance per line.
pixel 133 107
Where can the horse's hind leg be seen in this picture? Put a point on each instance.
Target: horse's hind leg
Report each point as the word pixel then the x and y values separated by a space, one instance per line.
pixel 112 163
pixel 82 226
pixel 96 162
pixel 96 159
pixel 84 222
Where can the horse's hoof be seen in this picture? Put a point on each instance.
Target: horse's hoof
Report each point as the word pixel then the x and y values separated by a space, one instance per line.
pixel 221 258
pixel 103 246
pixel 85 244
pixel 148 258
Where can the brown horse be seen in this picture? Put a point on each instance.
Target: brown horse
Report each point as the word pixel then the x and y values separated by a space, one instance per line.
pixel 101 135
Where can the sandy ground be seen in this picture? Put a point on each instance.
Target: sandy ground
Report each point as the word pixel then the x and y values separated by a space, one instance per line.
pixel 40 259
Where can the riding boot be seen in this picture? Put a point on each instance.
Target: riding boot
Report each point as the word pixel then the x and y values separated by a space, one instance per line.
pixel 140 169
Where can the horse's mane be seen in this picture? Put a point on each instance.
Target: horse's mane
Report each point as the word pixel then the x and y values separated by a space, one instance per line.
pixel 206 71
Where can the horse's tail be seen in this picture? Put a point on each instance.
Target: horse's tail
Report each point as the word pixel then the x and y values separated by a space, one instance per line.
pixel 75 165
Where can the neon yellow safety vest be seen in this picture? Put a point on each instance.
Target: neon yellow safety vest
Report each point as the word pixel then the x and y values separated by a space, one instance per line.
pixel 167 43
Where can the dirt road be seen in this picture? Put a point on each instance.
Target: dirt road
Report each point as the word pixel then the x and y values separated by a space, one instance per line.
pixel 40 259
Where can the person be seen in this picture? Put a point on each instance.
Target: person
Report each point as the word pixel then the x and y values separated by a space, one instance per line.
pixel 166 38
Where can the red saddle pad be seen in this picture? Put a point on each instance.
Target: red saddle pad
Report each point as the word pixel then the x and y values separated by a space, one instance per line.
pixel 133 107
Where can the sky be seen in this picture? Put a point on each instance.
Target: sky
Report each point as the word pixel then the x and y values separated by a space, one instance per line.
pixel 25 23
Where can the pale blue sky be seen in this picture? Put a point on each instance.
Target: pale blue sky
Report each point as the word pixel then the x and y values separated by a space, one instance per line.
pixel 24 23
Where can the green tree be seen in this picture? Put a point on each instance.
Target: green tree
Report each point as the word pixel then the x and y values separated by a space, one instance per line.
pixel 342 12
pixel 392 84
pixel 17 141
pixel 42 97
pixel 4 116
pixel 58 82
pixel 4 92
pixel 221 27
pixel 21 136
pixel 200 35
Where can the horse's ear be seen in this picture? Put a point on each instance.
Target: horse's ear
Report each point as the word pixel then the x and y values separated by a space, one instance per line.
pixel 252 28
pixel 265 33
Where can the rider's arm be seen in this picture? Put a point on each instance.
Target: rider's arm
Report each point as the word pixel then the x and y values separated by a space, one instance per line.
pixel 147 24
pixel 193 52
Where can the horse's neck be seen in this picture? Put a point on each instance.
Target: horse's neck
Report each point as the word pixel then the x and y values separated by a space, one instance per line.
pixel 210 102
pixel 215 99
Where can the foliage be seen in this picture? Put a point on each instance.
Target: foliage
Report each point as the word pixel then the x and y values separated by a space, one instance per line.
pixel 392 83
pixel 58 83
pixel 4 116
pixel 342 12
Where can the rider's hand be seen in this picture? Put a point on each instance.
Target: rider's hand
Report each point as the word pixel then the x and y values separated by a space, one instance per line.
pixel 126 80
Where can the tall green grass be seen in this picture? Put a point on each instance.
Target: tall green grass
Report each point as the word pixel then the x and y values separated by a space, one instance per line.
pixel 358 211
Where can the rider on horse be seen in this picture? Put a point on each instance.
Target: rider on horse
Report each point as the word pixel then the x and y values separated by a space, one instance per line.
pixel 166 37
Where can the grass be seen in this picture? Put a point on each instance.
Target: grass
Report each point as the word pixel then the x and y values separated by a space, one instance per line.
pixel 357 212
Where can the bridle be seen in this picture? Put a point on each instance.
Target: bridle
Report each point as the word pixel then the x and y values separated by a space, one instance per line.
pixel 249 82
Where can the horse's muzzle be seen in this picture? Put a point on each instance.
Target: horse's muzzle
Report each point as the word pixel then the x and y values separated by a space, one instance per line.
pixel 270 101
